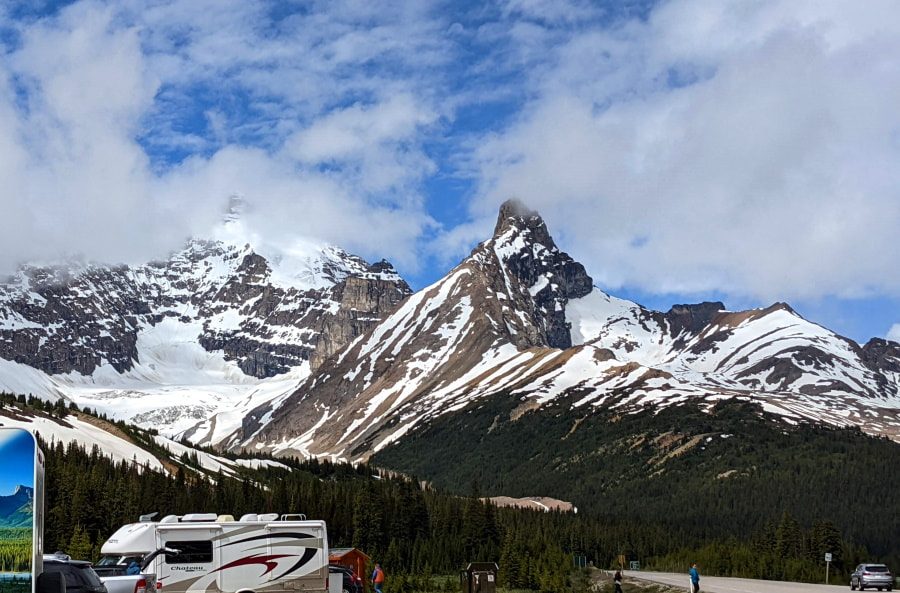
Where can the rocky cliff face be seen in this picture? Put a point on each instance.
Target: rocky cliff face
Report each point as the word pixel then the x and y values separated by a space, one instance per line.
pixel 526 265
pixel 61 320
pixel 363 301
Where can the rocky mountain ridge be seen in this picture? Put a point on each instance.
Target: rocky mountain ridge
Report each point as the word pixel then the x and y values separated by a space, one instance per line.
pixel 215 312
pixel 518 316
pixel 60 322
pixel 229 345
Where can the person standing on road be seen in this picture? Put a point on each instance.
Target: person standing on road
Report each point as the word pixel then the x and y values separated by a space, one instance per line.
pixel 378 578
pixel 695 579
pixel 617 579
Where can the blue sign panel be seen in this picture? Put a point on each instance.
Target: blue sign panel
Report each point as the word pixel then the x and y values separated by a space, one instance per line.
pixel 21 506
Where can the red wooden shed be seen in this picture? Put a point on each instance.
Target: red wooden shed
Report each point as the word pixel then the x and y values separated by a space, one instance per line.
pixel 351 558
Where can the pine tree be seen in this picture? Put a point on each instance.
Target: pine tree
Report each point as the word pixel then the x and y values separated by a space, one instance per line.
pixel 367 522
pixel 788 538
pixel 80 547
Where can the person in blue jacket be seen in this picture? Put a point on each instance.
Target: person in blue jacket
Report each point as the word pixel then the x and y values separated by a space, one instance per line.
pixel 695 579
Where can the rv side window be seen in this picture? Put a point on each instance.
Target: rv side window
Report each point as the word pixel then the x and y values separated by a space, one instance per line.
pixel 190 552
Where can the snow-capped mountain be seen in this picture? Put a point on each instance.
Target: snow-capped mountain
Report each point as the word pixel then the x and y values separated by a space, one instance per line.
pixel 518 316
pixel 305 349
pixel 223 325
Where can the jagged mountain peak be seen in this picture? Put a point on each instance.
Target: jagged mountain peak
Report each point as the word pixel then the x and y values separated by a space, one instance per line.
pixel 24 492
pixel 506 299
pixel 523 263
pixel 503 321
pixel 516 216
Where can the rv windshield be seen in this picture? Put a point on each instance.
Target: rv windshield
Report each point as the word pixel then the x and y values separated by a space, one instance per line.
pixel 118 560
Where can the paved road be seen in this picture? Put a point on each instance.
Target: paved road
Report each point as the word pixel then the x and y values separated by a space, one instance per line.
pixel 730 585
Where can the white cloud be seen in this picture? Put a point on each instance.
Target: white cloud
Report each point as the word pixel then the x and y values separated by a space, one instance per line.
pixel 894 333
pixel 80 180
pixel 740 147
pixel 113 90
pixel 744 147
pixel 369 140
pixel 285 202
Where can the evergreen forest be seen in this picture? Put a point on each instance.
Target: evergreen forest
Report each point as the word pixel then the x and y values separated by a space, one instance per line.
pixel 662 509
pixel 15 549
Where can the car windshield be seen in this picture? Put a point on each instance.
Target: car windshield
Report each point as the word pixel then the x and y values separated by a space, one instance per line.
pixel 876 568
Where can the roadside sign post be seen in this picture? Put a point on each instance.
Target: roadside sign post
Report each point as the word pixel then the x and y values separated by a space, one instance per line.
pixel 827 565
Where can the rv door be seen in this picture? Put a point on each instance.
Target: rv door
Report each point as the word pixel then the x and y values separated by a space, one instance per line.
pixel 304 547
pixel 194 566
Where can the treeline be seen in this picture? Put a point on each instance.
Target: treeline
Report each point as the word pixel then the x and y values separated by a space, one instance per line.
pixel 678 478
pixel 785 551
pixel 418 532
pixel 413 532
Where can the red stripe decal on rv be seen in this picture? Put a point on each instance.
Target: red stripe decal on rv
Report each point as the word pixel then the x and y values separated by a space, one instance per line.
pixel 270 562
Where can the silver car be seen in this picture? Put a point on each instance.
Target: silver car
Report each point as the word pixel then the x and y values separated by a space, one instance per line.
pixel 872 575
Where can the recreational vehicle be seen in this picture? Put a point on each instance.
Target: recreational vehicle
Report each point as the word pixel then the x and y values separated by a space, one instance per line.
pixel 206 553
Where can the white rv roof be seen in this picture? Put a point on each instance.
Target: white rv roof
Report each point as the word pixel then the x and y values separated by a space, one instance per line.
pixel 134 538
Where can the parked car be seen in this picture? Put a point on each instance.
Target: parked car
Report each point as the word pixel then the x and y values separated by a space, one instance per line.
pixel 352 582
pixel 80 576
pixel 872 575
pixel 123 573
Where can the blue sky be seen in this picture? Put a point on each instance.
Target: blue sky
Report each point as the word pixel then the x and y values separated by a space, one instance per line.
pixel 737 150
pixel 17 452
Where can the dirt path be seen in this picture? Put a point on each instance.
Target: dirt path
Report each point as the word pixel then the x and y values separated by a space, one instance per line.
pixel 602 581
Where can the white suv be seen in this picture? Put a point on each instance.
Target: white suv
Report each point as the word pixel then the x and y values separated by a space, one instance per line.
pixel 872 575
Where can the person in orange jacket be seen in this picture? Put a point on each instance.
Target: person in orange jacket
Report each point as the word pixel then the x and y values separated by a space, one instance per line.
pixel 378 578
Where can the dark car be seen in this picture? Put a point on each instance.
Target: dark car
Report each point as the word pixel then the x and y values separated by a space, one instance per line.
pixel 352 583
pixel 80 576
pixel 872 575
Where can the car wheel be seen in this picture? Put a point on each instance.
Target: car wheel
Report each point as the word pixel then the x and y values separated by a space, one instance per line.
pixel 852 586
pixel 345 590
